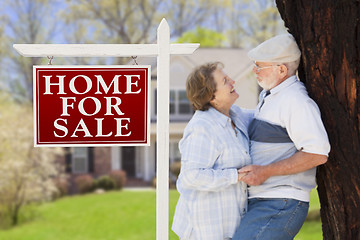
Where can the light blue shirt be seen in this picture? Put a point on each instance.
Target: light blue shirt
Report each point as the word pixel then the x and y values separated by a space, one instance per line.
pixel 212 201
pixel 287 122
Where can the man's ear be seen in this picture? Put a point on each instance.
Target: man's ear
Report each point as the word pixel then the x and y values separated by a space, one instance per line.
pixel 283 70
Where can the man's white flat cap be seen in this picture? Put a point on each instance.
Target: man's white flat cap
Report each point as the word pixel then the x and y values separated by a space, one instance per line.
pixel 279 49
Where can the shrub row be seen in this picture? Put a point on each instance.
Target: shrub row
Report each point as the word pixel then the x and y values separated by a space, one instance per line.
pixel 115 180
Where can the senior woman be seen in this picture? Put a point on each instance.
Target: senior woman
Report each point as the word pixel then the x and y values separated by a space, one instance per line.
pixel 214 145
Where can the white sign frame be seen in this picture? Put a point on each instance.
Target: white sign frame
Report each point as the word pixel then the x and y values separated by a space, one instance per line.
pixel 104 144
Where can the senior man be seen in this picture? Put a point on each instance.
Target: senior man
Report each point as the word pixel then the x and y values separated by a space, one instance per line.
pixel 287 141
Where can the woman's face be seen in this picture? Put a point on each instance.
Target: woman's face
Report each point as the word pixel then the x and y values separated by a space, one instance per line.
pixel 225 94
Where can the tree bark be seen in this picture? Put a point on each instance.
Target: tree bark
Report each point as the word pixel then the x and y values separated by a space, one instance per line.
pixel 328 34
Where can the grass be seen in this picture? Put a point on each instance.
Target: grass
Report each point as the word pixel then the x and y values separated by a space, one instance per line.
pixel 311 230
pixel 121 215
pixel 114 215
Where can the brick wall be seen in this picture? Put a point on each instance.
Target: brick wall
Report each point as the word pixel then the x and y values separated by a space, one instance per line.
pixel 102 165
pixel 102 161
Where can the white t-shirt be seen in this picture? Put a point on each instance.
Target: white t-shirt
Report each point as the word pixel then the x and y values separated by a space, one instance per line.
pixel 288 121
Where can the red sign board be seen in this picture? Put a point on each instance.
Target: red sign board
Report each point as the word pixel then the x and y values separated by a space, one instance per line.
pixel 91 105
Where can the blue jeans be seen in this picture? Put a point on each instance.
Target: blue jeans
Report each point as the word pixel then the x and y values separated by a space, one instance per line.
pixel 272 219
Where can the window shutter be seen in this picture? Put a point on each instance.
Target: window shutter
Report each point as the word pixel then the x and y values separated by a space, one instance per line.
pixel 68 163
pixel 91 159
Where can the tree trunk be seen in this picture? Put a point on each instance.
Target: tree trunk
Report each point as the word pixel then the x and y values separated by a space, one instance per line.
pixel 328 34
pixel 15 216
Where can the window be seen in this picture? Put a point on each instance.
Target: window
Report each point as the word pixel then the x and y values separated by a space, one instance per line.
pixel 175 158
pixel 172 102
pixel 179 105
pixel 80 160
pixel 184 104
pixel 174 152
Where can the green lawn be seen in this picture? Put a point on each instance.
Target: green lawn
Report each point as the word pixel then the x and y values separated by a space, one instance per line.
pixel 311 230
pixel 124 215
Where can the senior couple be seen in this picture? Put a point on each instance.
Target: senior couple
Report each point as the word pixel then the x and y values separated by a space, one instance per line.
pixel 247 174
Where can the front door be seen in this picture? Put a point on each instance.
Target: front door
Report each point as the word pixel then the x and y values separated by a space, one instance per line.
pixel 128 160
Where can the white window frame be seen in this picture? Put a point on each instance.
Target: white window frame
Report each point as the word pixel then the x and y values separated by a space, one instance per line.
pixel 173 148
pixel 80 154
pixel 176 115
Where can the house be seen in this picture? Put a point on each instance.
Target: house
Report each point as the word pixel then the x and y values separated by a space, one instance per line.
pixel 140 162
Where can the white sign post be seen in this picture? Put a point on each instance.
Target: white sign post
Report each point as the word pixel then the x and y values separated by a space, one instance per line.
pixel 162 51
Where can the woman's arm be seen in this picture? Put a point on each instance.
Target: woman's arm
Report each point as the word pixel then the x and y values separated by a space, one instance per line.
pixel 199 153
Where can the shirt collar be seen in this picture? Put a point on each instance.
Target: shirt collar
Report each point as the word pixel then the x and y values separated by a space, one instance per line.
pixel 287 82
pixel 217 116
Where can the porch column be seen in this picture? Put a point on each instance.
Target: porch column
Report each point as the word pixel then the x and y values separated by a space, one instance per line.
pixel 115 158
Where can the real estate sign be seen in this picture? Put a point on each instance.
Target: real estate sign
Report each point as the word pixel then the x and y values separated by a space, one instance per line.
pixel 91 105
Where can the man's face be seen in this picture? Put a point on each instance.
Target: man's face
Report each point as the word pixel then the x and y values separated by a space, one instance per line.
pixel 266 74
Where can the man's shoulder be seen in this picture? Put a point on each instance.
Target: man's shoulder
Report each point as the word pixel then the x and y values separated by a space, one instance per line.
pixel 295 94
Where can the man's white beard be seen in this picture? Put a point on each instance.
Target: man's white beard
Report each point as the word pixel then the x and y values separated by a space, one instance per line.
pixel 266 86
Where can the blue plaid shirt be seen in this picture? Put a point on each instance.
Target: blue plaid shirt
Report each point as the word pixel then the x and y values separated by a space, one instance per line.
pixel 212 201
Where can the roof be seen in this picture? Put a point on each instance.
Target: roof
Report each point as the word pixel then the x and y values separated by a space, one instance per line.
pixel 235 61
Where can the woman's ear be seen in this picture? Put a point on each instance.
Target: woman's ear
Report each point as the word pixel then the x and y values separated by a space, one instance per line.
pixel 213 101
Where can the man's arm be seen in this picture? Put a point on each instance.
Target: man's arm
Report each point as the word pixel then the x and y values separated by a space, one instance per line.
pixel 299 162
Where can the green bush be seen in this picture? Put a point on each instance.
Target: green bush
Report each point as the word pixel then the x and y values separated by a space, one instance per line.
pixel 105 182
pixel 84 183
pixel 62 187
pixel 119 177
pixel 5 219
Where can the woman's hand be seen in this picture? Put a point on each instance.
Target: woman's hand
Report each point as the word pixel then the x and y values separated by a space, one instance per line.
pixel 241 175
pixel 253 174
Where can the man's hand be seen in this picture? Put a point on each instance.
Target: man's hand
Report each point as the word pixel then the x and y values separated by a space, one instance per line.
pixel 253 174
pixel 299 162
